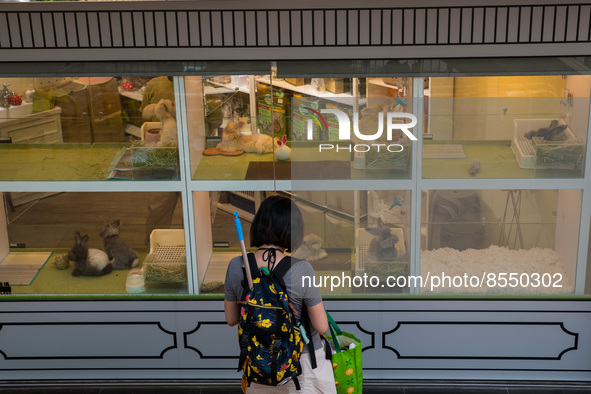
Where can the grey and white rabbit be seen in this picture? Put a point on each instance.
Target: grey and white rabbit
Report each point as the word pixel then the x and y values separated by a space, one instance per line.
pixel 121 255
pixel 383 245
pixel 88 262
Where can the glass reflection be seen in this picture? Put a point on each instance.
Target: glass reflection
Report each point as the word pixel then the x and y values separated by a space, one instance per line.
pixel 495 235
pixel 41 229
pixel 347 234
pixel 89 128
pixel 506 127
pixel 253 127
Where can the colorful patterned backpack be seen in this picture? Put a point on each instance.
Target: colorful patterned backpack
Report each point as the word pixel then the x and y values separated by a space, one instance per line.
pixel 271 341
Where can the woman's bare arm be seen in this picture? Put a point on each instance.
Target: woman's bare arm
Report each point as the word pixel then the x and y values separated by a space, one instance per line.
pixel 318 318
pixel 231 310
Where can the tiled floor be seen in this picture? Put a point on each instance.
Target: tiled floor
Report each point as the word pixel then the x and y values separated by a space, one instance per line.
pixel 212 388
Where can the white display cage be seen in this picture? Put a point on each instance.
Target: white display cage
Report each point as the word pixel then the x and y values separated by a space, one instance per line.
pixel 167 260
pixel 538 153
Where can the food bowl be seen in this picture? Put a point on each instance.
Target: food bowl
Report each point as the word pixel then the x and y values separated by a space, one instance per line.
pixel 135 282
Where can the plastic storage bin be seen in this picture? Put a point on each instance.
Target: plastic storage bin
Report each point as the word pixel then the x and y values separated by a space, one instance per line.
pixel 149 161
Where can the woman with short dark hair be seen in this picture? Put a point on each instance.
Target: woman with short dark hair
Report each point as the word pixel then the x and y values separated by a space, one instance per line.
pixel 278 228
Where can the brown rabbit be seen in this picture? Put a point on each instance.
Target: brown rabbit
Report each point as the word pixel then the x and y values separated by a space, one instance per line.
pixel 233 140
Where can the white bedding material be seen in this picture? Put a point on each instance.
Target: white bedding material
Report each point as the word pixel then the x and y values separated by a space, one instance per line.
pixel 496 260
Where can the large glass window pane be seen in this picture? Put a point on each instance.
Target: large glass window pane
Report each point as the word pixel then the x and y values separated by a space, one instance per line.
pixel 142 233
pixel 252 127
pixel 89 128
pixel 499 241
pixel 351 128
pixel 506 127
pixel 355 240
pixel 229 129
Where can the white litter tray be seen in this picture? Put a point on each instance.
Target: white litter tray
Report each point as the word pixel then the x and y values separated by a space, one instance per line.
pixel 524 149
pixel 167 261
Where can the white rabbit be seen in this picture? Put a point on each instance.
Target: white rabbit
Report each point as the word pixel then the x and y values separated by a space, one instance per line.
pixel 283 152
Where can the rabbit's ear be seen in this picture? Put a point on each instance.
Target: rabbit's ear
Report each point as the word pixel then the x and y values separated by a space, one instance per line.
pixel 84 240
pixel 168 106
pixel 116 223
pixel 238 125
pixel 380 223
pixel 148 112
pixel 78 238
pixel 373 231
pixel 228 127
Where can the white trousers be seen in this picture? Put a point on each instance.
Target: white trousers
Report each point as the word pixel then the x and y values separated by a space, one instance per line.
pixel 312 381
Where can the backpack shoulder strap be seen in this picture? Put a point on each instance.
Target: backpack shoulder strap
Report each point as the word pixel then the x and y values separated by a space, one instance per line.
pixel 305 319
pixel 254 272
pixel 282 267
pixel 252 263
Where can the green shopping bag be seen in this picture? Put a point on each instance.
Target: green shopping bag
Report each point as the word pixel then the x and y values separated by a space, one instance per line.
pixel 346 362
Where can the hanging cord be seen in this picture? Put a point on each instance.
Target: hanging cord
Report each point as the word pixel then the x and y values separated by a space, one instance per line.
pixel 270 256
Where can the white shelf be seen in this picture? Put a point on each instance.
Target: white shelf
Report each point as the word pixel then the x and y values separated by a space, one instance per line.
pixel 133 94
pixel 343 98
pixel 212 87
pixel 133 130
pixel 379 82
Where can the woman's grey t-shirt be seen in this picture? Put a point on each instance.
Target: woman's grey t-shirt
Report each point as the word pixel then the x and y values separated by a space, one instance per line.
pixel 298 293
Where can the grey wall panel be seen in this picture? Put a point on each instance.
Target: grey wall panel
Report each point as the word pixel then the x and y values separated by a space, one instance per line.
pixel 420 26
pixel 475 340
pixel 85 340
pixel 38 39
pixel 14 35
pixel 318 27
pixel 298 53
pixel 401 339
pixel 26 30
pixel 174 30
pixel 4 31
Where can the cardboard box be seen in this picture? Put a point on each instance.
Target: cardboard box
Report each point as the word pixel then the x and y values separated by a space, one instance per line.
pixel 221 79
pixel 296 81
pixel 335 85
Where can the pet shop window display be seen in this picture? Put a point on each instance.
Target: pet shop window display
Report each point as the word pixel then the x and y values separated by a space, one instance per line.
pixel 224 103
pixel 381 246
pixel 155 155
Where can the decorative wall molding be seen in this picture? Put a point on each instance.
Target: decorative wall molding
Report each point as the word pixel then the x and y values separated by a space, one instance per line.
pixel 454 340
pixel 85 340
pixel 402 339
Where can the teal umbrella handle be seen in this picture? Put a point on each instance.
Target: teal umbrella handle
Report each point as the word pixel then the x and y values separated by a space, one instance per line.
pixel 246 265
